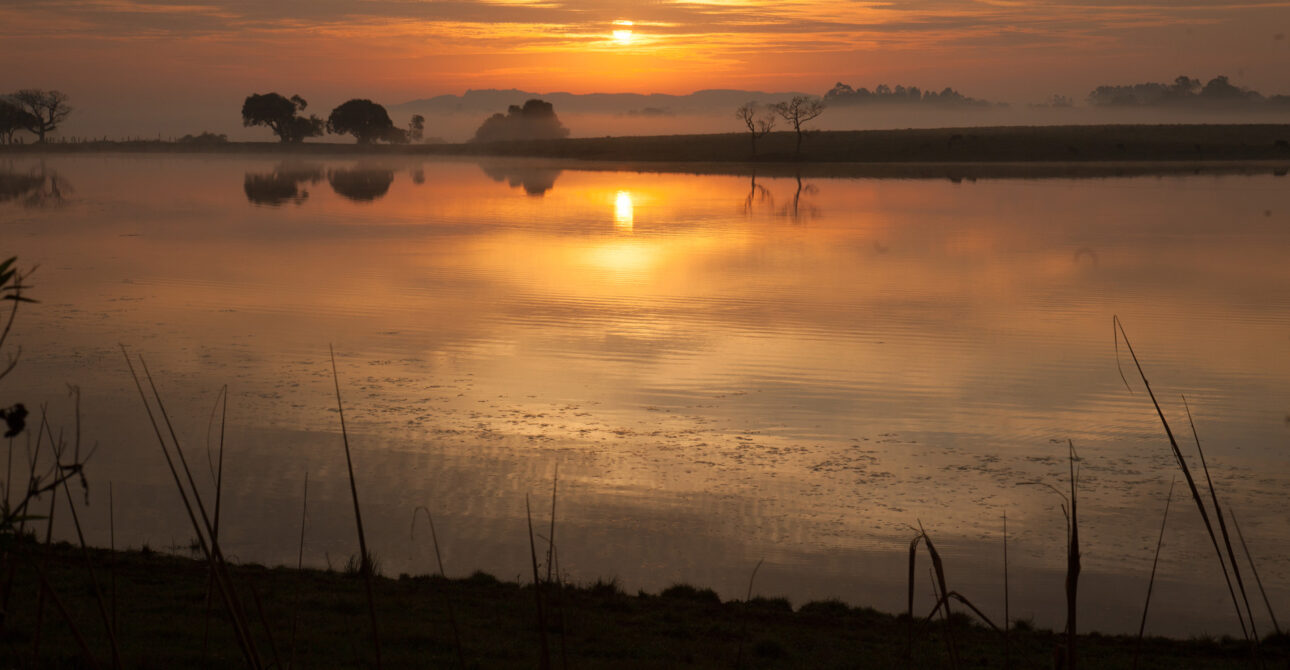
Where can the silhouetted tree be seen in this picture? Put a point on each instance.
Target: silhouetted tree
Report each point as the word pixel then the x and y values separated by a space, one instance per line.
pixel 536 120
pixel 281 115
pixel 206 137
pixel 13 118
pixel 1184 91
pixel 797 112
pixel 47 109
pixel 760 121
pixel 842 94
pixel 396 136
pixel 416 127
pixel 364 119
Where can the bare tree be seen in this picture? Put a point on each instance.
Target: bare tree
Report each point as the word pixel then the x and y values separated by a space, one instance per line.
pixel 760 121
pixel 797 112
pixel 47 108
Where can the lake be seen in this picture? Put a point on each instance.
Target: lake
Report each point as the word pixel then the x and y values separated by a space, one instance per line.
pixel 723 369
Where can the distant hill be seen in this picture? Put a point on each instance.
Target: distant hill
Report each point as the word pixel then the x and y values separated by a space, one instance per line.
pixel 489 101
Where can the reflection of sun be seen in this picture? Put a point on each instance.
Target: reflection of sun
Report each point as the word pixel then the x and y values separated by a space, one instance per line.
pixel 623 218
pixel 623 32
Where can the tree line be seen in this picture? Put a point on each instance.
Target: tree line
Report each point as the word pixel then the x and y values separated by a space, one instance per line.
pixel 1184 91
pixel 34 110
pixel 367 121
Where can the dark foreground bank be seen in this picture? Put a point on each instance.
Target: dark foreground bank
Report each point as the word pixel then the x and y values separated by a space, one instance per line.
pixel 1015 144
pixel 319 619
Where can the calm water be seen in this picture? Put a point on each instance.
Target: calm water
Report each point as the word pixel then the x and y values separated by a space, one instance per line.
pixel 722 369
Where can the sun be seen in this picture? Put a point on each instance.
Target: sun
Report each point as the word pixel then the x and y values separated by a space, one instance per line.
pixel 623 32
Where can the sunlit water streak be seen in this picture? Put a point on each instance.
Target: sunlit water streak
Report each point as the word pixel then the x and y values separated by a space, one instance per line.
pixel 724 369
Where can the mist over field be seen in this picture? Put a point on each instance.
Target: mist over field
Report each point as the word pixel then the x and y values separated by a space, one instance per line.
pixel 455 118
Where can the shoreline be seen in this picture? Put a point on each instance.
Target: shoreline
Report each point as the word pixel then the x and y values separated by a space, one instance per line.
pixel 1128 144
pixel 157 602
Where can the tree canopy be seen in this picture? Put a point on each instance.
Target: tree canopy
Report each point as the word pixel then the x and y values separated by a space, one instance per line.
pixel 45 110
pixel 365 120
pixel 281 115
pixel 842 94
pixel 1184 91
pixel 536 120
pixel 797 112
pixel 12 119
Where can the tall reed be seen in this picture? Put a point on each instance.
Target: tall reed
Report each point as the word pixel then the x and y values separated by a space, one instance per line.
pixel 1222 526
pixel 452 617
pixel 203 529
pixel 365 564
pixel 1118 332
pixel 1152 580
pixel 1250 557
pixel 544 661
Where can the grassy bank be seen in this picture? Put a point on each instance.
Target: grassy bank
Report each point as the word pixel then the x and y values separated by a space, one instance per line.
pixel 158 604
pixel 1012 144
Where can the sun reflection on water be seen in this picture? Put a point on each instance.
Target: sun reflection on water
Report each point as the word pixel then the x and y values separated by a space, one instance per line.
pixel 623 218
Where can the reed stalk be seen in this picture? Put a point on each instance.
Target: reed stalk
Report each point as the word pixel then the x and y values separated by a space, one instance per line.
pixel 1118 331
pixel 743 634
pixel 1152 580
pixel 1250 557
pixel 365 565
pixel 939 567
pixel 212 553
pixel 300 562
pixel 1007 617
pixel 1072 566
pixel 1222 526
pixel 544 662
pixel 452 617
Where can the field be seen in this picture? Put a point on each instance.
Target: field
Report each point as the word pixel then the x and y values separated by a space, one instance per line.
pixel 1015 144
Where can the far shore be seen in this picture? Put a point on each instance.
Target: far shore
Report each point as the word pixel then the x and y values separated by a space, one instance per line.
pixel 1004 151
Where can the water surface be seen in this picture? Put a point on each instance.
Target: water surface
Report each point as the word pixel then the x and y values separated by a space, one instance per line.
pixel 723 369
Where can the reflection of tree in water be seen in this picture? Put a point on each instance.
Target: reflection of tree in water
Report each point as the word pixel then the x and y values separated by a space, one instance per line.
pixel 37 187
pixel 798 208
pixel 282 185
pixel 757 195
pixel 361 184
pixel 534 180
pixel 800 211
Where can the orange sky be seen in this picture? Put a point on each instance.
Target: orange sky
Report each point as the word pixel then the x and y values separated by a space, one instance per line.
pixel 136 61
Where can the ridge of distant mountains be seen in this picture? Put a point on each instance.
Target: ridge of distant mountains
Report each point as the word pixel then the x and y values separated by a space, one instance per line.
pixel 636 104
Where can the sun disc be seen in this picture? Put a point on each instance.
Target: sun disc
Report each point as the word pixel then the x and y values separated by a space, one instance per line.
pixel 623 32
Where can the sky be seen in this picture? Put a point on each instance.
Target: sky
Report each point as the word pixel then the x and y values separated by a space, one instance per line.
pixel 135 65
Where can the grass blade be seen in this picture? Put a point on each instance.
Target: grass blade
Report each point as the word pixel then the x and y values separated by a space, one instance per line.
pixel 1072 567
pixel 452 618
pixel 939 567
pixel 300 562
pixel 739 655
pixel 1250 557
pixel 1152 581
pixel 365 564
pixel 212 553
pixel 1007 617
pixel 1182 465
pixel 545 660
pixel 1222 526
